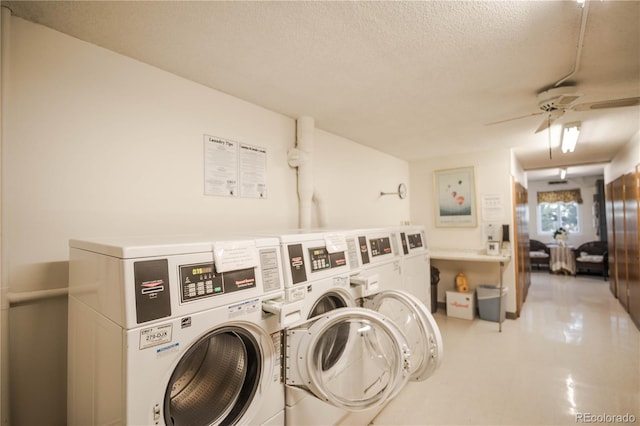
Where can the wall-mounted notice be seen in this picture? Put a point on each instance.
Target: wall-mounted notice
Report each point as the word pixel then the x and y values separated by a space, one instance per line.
pixel 253 171
pixel 233 169
pixel 220 167
pixel 492 207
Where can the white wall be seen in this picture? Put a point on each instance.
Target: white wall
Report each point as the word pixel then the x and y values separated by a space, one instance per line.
pixel 587 186
pixel 351 180
pixel 493 177
pixel 518 173
pixel 100 144
pixel 624 161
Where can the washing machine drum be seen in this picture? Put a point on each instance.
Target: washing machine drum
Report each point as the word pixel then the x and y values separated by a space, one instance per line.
pixel 215 381
pixel 327 302
pixel 338 336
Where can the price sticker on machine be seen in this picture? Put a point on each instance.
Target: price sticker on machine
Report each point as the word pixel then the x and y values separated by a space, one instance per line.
pixel 155 336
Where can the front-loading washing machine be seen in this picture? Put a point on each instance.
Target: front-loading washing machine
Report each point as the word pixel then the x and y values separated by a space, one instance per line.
pixel 171 331
pixel 344 366
pixel 316 276
pixel 379 285
pixel 416 264
pixel 375 260
pixel 340 359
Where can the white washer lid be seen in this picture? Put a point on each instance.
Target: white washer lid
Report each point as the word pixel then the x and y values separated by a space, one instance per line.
pixel 147 246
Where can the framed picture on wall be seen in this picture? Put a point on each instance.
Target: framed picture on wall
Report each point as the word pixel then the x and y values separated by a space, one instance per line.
pixel 455 191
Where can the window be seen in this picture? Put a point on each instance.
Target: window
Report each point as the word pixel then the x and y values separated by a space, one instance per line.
pixel 552 216
pixel 559 209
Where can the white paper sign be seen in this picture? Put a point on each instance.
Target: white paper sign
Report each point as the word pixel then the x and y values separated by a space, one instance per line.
pixel 234 255
pixel 220 167
pixel 253 171
pixel 335 243
pixel 492 207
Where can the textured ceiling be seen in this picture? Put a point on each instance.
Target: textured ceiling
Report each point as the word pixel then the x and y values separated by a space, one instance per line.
pixel 413 79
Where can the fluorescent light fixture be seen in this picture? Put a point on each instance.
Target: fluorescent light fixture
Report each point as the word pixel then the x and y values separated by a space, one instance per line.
pixel 563 173
pixel 570 137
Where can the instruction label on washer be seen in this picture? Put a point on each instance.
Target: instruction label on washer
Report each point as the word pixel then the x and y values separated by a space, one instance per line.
pixel 270 269
pixel 244 308
pixel 154 336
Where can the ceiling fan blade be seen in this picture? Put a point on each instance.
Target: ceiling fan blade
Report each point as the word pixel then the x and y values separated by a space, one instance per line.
pixel 611 103
pixel 514 118
pixel 553 116
pixel 544 125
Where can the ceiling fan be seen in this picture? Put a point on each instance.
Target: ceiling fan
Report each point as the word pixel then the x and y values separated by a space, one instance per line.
pixel 555 102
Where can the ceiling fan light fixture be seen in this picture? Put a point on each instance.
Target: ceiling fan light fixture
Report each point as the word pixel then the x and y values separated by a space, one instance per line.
pixel 570 137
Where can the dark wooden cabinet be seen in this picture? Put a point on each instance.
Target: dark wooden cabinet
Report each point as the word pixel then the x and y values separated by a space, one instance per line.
pixel 631 192
pixel 622 210
pixel 619 240
pixel 521 244
pixel 611 238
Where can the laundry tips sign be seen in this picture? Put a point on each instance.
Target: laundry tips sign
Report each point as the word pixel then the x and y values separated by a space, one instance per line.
pixel 234 169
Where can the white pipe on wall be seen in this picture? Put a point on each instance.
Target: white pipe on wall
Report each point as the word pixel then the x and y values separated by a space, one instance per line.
pixel 321 214
pixel 4 303
pixel 302 157
pixel 583 25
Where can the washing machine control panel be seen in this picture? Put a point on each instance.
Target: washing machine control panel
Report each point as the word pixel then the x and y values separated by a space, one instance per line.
pixel 321 259
pixel 411 242
pixel 380 246
pixel 201 280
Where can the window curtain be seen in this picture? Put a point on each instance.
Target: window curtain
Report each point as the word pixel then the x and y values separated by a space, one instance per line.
pixel 566 196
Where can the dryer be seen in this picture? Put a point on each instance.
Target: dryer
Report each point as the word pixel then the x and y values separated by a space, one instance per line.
pixel 170 331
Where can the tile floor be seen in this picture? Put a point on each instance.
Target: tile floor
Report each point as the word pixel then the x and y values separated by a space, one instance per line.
pixel 573 352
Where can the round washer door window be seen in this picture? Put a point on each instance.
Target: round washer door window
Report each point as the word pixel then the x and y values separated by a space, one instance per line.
pixel 417 324
pixel 372 366
pixel 216 379
pixel 338 336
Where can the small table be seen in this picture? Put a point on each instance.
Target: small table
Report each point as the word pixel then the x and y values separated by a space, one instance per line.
pixel 562 259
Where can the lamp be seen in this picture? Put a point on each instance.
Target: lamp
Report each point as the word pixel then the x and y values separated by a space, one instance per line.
pixel 570 137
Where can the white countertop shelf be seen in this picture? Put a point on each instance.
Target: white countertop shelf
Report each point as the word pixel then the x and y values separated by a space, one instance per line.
pixel 462 255
pixel 468 255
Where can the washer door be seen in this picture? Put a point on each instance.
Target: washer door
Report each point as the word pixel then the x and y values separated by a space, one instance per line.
pixel 216 379
pixel 417 324
pixel 352 358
